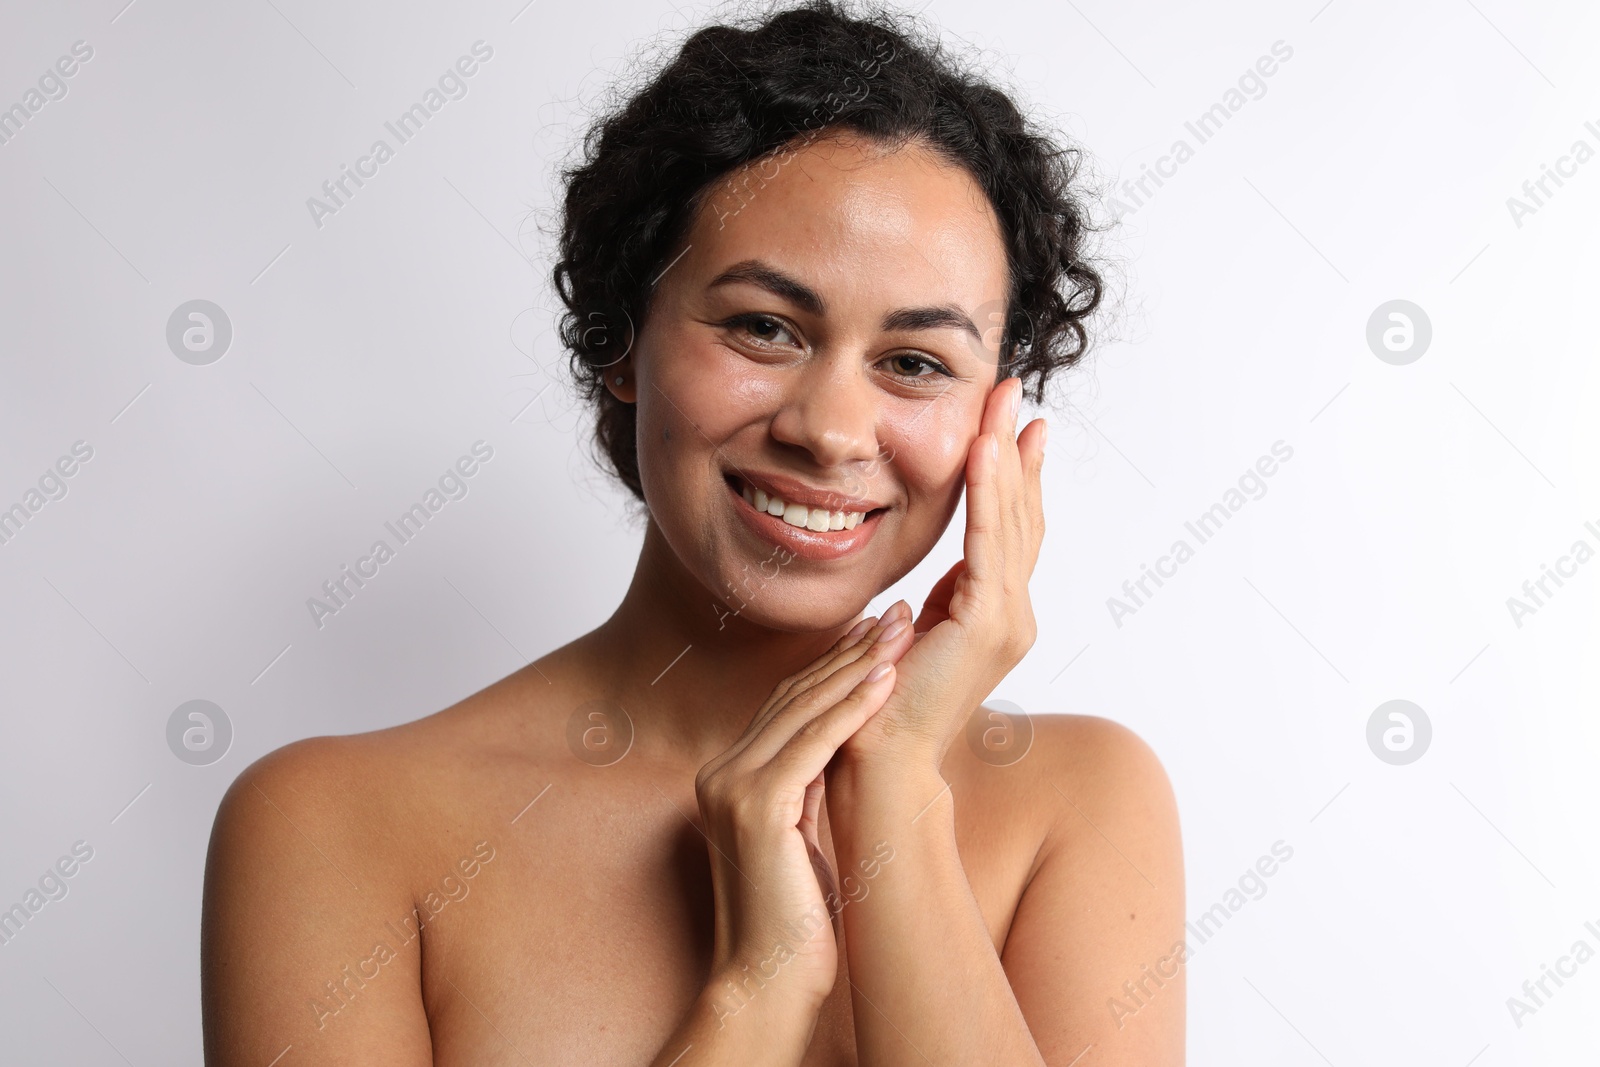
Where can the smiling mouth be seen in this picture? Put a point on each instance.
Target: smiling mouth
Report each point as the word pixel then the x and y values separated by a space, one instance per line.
pixel 816 520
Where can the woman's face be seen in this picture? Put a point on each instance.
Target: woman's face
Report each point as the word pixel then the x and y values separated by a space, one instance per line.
pixel 828 339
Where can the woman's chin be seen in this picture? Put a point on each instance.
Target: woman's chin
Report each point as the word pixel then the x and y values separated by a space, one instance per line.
pixel 797 610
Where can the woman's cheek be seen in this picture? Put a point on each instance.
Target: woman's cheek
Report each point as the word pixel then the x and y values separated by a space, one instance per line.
pixel 743 389
pixel 932 454
pixel 720 389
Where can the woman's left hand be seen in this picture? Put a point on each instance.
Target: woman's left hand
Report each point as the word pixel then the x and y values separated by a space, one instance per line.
pixel 977 622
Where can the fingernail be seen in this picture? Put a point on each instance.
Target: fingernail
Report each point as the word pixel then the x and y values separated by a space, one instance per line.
pixel 879 671
pixel 1016 403
pixel 1044 435
pixel 994 447
pixel 860 628
pixel 894 631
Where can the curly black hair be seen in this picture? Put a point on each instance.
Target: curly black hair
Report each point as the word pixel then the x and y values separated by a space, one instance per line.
pixel 735 93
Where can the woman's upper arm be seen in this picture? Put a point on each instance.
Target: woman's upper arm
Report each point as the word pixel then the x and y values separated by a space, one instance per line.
pixel 302 922
pixel 1095 951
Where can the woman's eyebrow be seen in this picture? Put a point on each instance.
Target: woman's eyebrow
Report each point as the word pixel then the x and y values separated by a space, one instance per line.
pixel 946 317
pixel 755 272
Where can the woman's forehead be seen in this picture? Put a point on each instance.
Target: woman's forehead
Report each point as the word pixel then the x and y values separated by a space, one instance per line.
pixel 853 218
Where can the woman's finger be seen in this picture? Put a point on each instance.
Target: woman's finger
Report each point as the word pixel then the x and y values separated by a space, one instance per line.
pixel 1011 485
pixel 936 608
pixel 845 651
pixel 805 754
pixel 813 807
pixel 803 712
pixel 1031 447
pixel 980 547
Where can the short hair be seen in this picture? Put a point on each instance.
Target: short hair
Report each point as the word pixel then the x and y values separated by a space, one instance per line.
pixel 736 91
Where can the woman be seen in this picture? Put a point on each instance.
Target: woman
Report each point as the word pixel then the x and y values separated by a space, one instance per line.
pixel 809 269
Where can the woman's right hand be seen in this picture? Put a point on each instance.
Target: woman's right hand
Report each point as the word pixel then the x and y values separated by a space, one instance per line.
pixel 760 801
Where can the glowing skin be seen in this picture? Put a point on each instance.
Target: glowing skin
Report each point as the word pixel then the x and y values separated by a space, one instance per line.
pixel 831 399
pixel 677 906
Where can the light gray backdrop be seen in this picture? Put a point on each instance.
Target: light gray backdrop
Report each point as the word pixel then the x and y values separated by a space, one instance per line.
pixel 1383 159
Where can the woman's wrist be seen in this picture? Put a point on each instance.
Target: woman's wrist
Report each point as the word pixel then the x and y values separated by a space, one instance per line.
pixel 871 794
pixel 882 771
pixel 751 1006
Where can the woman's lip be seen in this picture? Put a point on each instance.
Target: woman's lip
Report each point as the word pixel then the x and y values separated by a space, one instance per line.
pixel 805 543
pixel 793 492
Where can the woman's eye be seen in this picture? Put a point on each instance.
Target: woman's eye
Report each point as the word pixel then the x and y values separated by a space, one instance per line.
pixel 764 328
pixel 910 366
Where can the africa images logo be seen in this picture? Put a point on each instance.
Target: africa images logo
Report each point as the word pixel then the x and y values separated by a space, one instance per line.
pixel 452 85
pixel 342 588
pixel 1203 528
pixel 52 86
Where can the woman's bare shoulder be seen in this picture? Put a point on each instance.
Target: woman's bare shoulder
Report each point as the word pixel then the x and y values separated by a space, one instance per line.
pixel 1113 815
pixel 1102 881
pixel 1099 755
pixel 1060 785
pixel 326 846
pixel 349 786
pixel 1099 772
pixel 1091 755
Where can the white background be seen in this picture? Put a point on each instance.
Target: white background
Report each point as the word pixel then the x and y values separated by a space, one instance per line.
pixel 370 353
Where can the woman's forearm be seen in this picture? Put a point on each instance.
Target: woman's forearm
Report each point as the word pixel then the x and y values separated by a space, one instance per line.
pixel 740 1019
pixel 926 983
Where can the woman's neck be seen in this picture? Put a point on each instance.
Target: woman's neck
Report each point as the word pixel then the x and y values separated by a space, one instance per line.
pixel 689 671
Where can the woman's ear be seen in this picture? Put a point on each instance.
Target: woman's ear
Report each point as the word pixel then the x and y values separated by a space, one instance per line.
pixel 621 382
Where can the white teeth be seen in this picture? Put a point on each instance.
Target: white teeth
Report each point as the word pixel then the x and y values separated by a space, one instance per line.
pixel 817 519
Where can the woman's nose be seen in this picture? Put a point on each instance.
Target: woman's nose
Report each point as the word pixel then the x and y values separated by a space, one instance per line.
pixel 831 412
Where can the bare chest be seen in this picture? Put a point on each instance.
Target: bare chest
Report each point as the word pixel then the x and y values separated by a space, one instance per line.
pixel 588 933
